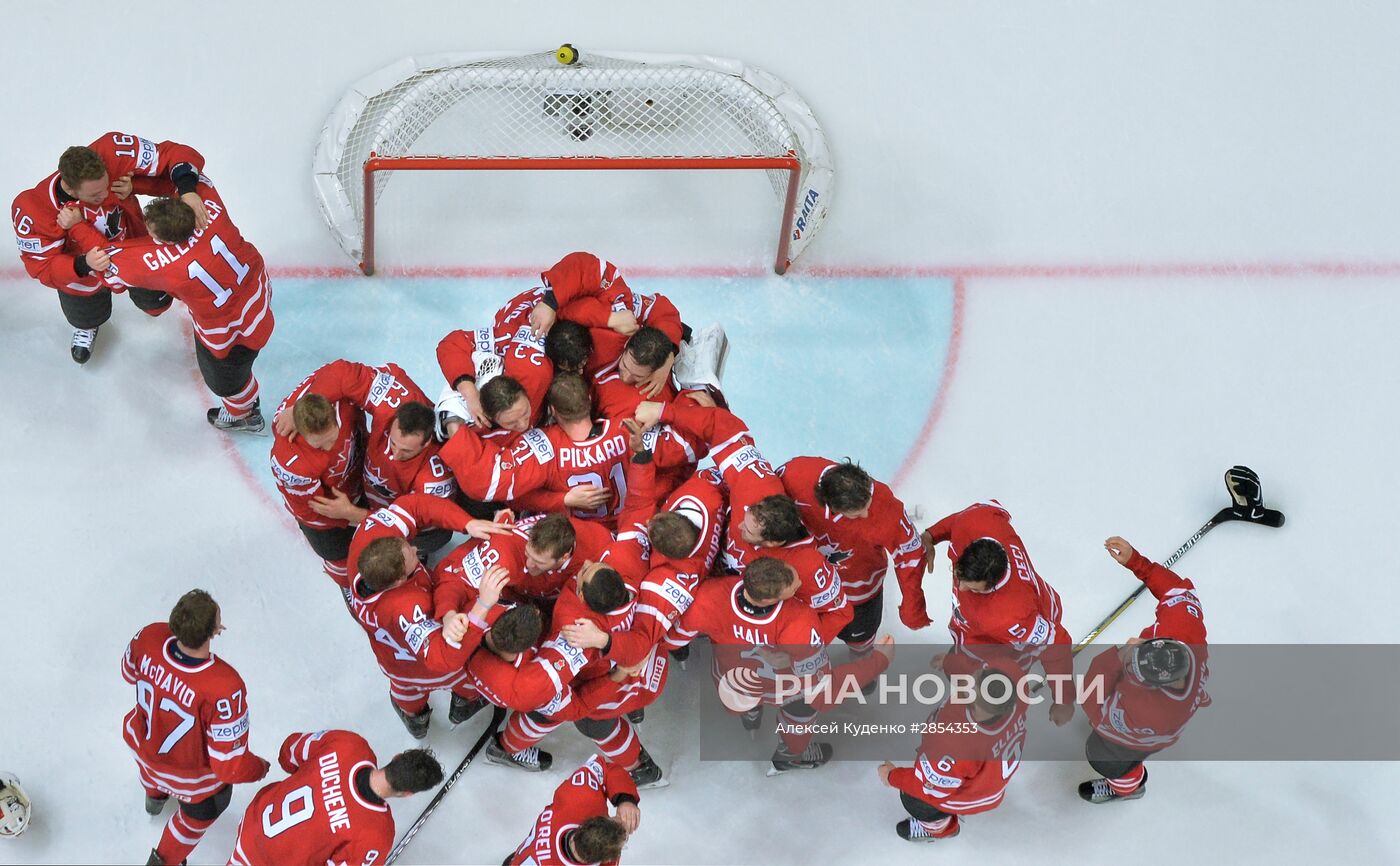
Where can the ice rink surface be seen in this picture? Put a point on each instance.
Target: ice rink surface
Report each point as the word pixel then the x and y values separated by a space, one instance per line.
pixel 1082 257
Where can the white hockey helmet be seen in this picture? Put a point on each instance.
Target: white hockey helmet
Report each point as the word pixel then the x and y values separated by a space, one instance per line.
pixel 14 806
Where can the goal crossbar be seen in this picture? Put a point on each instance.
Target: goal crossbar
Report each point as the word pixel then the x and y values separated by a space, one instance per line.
pixel 789 164
pixel 608 111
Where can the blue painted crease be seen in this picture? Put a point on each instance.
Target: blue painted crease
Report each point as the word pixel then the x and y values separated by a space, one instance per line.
pixel 837 366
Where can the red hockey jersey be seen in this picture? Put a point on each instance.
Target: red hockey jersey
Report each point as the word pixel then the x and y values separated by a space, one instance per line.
pixel 511 339
pixel 47 250
pixel 379 392
pixel 217 274
pixel 583 795
pixel 859 548
pixel 741 636
pixel 406 638
pixel 323 814
pixel 1022 611
pixel 303 472
pixel 588 290
pixel 1137 715
pixel 189 728
pixel 964 766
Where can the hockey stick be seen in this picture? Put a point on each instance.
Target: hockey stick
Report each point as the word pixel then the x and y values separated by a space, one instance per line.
pixel 496 716
pixel 1244 488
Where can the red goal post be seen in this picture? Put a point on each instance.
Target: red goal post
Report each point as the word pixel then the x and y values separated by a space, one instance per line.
pixel 610 111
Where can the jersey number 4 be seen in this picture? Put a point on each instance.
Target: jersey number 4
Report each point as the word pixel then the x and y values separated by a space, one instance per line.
pixel 240 271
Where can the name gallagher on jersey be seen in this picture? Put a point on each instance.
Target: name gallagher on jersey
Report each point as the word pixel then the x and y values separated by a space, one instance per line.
pixel 161 256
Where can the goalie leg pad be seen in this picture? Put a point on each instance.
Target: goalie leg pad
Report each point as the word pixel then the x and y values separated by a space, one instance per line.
pixel 14 806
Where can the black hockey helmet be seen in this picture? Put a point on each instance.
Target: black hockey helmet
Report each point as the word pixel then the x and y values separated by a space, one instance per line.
pixel 1160 661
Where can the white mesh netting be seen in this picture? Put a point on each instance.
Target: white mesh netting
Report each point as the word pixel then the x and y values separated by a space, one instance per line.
pixel 619 106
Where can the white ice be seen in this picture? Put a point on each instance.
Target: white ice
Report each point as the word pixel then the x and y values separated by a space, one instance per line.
pixel 1175 229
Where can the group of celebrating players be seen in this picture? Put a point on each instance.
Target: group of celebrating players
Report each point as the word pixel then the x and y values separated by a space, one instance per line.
pixel 615 509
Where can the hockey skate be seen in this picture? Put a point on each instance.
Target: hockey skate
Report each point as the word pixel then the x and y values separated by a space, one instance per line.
pixel 811 758
pixel 752 720
pixel 81 347
pixel 250 423
pixel 1099 791
pixel 533 759
pixel 912 831
pixel 700 362
pixel 647 774
pixel 417 725
pixel 463 709
pixel 154 860
pixel 155 805
pixel 681 656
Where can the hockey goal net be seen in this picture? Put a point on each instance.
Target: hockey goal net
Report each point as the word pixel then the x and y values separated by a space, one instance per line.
pixel 502 111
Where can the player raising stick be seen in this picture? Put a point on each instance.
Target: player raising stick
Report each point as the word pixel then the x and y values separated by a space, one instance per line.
pixel 1154 684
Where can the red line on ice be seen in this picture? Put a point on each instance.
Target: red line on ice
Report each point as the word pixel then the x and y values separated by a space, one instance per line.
pixel 950 366
pixel 1069 270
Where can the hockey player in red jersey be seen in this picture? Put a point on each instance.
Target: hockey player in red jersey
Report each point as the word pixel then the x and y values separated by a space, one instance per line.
pixel 998 598
pixel 965 760
pixel 332 810
pixel 189 729
pixel 589 455
pixel 584 289
pixel 601 595
pixel 622 386
pixel 221 280
pixel 540 690
pixel 859 525
pixel 757 634
pixel 575 829
pixel 685 537
pixel 763 519
pixel 401 455
pixel 317 464
pixel 510 347
pixel 65 223
pixel 1152 686
pixel 392 599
